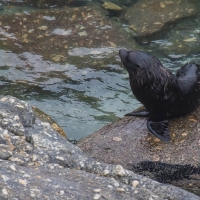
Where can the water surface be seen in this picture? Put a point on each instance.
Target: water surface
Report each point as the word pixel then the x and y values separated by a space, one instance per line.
pixel 89 88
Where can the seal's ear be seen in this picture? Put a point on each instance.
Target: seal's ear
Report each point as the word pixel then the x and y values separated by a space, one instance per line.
pixel 159 129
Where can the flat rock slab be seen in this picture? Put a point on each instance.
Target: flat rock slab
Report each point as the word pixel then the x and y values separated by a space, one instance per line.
pixel 128 143
pixel 150 16
pixel 55 182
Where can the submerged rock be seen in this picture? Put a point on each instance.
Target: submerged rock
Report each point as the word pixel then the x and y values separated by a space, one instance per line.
pixel 111 7
pixel 62 35
pixel 38 163
pixel 147 17
pixel 128 143
pixel 183 39
pixel 48 3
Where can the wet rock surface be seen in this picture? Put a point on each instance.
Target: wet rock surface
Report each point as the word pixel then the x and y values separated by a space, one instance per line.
pixel 128 143
pixel 36 162
pixel 182 40
pixel 46 118
pixel 49 3
pixel 154 15
pixel 80 31
pixel 111 7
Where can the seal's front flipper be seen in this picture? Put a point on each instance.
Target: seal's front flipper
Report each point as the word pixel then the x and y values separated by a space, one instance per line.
pixel 159 129
pixel 142 113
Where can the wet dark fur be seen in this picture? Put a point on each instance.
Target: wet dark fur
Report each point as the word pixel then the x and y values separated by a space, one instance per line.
pixel 162 93
pixel 158 89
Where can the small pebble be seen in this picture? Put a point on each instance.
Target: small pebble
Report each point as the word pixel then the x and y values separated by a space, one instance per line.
pixel 12 167
pixel 110 186
pixel 184 134
pixel 33 195
pixel 116 184
pixel 97 196
pixel 117 139
pixel 16 117
pixel 4 191
pixel 135 183
pixel 136 191
pixel 97 190
pixel 120 170
pixel 62 192
pixel 34 158
pixel 30 31
pixel 59 158
pixel 43 28
pixel 121 189
pixel 106 172
pixel 23 182
pixel 26 176
pixel 4 99
pixel 82 33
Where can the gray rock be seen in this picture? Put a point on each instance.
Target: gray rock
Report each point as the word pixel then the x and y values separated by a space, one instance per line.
pixel 129 136
pixel 150 16
pixel 38 163
pixel 182 40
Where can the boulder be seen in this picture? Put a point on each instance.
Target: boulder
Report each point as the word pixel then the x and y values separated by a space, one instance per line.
pixel 182 40
pixel 147 17
pixel 127 142
pixel 38 163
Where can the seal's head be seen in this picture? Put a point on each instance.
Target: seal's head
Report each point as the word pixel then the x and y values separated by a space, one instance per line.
pixel 134 60
pixel 143 65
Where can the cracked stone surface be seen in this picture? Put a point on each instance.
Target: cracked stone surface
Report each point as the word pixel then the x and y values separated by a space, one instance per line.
pixel 38 163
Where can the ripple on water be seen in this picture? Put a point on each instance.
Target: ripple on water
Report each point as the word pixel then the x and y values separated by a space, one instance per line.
pixel 81 100
pixel 89 88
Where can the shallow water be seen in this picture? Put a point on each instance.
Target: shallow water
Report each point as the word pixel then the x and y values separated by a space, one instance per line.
pixel 82 93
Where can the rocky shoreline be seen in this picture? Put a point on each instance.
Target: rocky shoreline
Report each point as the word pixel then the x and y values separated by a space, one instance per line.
pixel 121 160
pixel 37 162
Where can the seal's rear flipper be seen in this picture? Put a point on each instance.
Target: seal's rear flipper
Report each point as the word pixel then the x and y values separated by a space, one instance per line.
pixel 142 113
pixel 159 129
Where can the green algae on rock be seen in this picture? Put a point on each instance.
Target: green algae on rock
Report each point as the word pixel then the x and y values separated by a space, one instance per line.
pixel 149 16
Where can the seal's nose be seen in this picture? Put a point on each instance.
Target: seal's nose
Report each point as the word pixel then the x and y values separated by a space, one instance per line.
pixel 123 53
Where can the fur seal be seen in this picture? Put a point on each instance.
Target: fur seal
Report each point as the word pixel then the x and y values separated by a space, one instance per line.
pixel 162 93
